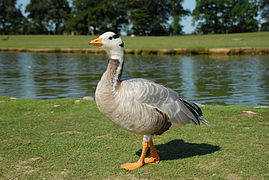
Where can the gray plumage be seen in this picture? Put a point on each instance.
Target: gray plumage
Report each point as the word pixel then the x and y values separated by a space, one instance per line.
pixel 142 106
pixel 138 105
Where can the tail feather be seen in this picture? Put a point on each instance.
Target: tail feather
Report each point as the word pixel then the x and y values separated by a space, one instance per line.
pixel 196 111
pixel 193 106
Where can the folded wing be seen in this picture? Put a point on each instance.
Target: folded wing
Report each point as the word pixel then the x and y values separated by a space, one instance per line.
pixel 165 99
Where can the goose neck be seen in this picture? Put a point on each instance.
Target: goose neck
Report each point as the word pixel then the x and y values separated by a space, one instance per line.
pixel 113 73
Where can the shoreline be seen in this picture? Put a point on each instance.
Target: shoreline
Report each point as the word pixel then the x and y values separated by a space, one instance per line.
pixel 176 51
pixel 91 98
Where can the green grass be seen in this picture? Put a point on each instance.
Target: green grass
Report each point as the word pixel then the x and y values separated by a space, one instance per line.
pixel 260 39
pixel 61 139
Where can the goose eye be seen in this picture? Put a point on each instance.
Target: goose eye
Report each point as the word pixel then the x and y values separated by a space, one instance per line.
pixel 110 38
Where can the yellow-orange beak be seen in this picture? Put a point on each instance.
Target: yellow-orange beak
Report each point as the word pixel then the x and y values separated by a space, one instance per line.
pixel 96 42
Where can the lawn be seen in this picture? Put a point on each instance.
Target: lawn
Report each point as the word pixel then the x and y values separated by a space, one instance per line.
pixel 71 139
pixel 260 39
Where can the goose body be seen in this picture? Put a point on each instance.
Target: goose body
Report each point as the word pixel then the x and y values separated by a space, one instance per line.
pixel 139 105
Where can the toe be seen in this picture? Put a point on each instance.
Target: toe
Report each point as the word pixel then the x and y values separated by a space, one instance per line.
pixel 152 160
pixel 131 166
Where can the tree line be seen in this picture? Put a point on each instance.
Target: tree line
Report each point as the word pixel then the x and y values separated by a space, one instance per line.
pixel 139 17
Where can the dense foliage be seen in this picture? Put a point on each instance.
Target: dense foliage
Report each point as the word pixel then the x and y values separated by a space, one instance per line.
pixel 151 17
pixel 11 19
pixel 226 16
pixel 139 17
pixel 265 14
pixel 97 16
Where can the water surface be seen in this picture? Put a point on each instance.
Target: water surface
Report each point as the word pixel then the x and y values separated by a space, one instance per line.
pixel 240 80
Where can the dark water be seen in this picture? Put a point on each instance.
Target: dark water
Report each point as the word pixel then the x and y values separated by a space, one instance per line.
pixel 241 80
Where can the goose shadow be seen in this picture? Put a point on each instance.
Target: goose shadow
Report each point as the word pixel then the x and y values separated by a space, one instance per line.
pixel 178 149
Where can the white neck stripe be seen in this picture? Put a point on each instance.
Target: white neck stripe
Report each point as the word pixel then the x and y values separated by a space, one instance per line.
pixel 120 58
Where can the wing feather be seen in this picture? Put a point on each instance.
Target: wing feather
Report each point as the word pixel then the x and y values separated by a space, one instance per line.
pixel 165 99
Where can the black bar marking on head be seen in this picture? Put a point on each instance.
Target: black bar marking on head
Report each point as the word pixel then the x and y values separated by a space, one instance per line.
pixel 115 36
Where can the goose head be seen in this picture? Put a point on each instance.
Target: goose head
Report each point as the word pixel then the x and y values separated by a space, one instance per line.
pixel 111 43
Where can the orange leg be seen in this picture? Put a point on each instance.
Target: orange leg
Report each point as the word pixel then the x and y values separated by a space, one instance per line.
pixel 140 162
pixel 154 156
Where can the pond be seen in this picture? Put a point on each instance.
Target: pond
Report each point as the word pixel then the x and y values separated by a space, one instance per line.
pixel 226 80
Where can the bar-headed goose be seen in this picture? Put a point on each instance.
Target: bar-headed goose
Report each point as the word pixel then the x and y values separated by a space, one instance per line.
pixel 139 105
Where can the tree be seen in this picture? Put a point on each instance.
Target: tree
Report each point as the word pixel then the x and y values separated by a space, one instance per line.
pixel 151 17
pixel 225 16
pixel 97 16
pixel 265 14
pixel 210 15
pixel 79 17
pixel 58 14
pixel 87 16
pixel 116 15
pixel 243 16
pixel 11 19
pixel 38 10
pixel 177 12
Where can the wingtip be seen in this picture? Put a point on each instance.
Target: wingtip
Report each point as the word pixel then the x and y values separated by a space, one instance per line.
pixel 205 122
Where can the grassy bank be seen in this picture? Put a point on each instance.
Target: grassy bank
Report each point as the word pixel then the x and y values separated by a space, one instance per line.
pixel 68 139
pixel 188 44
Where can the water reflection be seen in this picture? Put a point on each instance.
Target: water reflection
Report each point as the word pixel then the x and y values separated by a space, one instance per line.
pixel 211 80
